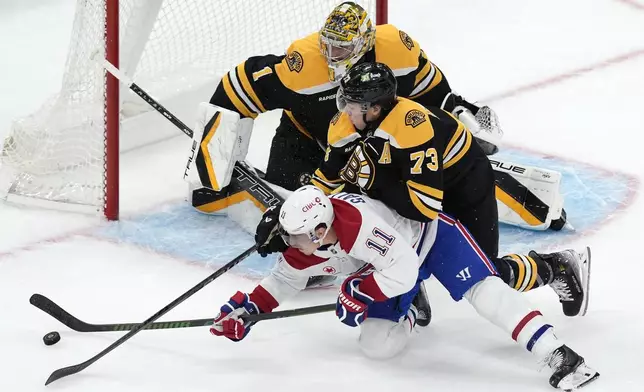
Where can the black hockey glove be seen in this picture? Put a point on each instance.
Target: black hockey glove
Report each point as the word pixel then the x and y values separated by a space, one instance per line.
pixel 266 235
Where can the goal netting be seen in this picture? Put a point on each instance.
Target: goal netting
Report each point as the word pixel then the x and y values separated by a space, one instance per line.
pixel 58 154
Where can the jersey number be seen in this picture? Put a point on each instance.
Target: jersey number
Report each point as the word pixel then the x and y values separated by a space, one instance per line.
pixel 377 245
pixel 262 72
pixel 419 158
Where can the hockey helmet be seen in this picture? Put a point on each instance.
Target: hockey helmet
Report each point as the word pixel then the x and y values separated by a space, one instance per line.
pixel 365 85
pixel 306 210
pixel 345 37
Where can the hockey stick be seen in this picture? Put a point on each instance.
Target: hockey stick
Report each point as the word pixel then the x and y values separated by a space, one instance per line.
pixel 244 175
pixel 257 188
pixel 53 309
pixel 67 371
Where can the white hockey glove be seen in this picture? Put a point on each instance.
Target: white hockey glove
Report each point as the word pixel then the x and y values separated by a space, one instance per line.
pixel 484 126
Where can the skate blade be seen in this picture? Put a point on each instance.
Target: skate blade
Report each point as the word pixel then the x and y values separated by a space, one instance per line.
pixel 585 276
pixel 581 377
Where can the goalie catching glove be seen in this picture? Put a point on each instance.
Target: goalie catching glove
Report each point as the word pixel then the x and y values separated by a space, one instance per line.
pixel 481 121
pixel 228 322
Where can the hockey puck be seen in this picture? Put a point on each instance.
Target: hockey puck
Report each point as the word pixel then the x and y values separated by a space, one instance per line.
pixel 51 338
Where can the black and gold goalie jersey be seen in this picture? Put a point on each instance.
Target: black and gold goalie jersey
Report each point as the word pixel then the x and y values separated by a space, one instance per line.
pixel 298 82
pixel 407 162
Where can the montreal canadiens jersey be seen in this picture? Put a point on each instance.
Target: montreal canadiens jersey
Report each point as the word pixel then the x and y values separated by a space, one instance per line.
pixel 368 233
pixel 298 81
pixel 407 161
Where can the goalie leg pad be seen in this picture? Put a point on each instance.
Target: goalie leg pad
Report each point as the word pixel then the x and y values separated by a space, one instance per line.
pixel 220 139
pixel 527 196
pixel 238 201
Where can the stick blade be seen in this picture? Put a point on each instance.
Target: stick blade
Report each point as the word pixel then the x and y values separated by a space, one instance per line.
pixel 51 308
pixel 66 371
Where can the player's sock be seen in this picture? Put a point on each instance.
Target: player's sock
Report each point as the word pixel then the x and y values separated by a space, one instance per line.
pixel 524 273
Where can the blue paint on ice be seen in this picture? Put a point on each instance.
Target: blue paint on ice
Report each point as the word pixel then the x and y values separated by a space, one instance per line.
pixel 591 195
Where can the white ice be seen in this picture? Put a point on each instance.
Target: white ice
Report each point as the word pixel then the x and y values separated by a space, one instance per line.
pixel 581 63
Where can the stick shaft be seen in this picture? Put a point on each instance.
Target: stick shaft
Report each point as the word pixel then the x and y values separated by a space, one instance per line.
pixel 67 371
pixel 53 309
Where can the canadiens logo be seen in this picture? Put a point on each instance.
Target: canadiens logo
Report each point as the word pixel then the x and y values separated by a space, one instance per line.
pixel 406 40
pixel 295 61
pixel 329 270
pixel 415 118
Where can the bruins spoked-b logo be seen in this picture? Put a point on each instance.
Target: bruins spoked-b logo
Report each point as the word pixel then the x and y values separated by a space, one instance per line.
pixel 295 61
pixel 406 40
pixel 414 118
pixel 358 170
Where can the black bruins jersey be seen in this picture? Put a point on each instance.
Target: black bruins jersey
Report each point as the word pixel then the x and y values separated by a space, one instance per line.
pixel 298 82
pixel 407 162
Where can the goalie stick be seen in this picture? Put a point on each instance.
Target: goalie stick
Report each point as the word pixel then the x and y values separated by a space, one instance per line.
pixel 245 176
pixel 257 188
pixel 53 309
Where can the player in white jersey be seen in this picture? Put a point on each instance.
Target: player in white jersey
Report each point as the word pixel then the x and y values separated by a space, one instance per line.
pixel 387 257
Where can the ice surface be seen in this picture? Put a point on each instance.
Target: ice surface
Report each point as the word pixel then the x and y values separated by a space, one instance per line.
pixel 566 80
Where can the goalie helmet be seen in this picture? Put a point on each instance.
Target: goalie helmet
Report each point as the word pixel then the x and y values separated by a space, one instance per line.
pixel 305 211
pixel 345 37
pixel 368 84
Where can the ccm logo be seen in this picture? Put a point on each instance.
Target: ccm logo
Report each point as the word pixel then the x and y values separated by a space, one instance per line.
pixel 310 205
pixel 508 167
pixel 350 304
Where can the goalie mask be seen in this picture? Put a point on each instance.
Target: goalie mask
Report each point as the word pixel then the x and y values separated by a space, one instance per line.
pixel 305 211
pixel 345 37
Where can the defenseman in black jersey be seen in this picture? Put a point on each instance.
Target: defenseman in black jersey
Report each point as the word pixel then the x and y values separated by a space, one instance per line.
pixel 421 161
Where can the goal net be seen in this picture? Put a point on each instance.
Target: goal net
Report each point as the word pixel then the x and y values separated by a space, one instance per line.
pixel 60 153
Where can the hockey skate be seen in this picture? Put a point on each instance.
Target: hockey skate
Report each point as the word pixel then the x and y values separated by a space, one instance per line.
pixel 421 302
pixel 569 371
pixel 570 278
